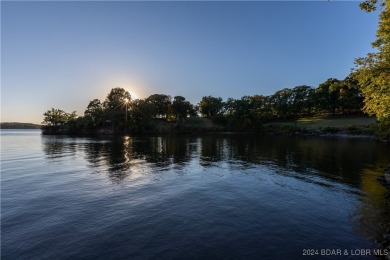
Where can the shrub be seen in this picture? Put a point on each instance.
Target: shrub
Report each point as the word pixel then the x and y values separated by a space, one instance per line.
pixel 382 129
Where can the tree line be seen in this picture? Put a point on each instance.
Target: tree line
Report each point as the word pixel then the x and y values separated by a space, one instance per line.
pixel 120 113
pixel 373 71
pixel 366 89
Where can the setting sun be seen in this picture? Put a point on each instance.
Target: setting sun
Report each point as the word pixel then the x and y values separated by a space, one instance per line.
pixel 133 95
pixel 195 129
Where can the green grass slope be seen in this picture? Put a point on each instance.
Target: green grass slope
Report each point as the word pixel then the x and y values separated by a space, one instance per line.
pixel 354 125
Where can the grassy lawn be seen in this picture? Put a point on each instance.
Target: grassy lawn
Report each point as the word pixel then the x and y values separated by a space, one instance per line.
pixel 200 122
pixel 316 122
pixel 353 125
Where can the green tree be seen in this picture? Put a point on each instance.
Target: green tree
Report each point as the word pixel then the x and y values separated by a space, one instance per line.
pixel 116 99
pixel 261 108
pixel 93 115
pixel 241 113
pixel 141 114
pixel 301 100
pixel 350 98
pixel 56 117
pixel 210 106
pixel 182 108
pixel 282 103
pixel 115 106
pixel 373 71
pixel 161 103
pixel 327 96
pixel 229 107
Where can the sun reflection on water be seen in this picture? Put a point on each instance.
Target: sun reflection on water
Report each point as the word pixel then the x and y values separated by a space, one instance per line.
pixel 127 144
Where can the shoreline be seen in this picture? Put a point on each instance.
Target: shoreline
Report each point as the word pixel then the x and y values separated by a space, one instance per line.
pixel 222 133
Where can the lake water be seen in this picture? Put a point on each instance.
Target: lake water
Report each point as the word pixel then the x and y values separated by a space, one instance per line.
pixel 189 197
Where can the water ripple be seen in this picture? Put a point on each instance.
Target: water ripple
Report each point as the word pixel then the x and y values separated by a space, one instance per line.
pixel 188 197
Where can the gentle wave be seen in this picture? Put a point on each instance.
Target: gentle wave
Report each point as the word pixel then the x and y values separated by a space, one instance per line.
pixel 188 197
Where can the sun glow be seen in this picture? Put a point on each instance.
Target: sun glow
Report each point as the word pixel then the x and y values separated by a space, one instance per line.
pixel 133 95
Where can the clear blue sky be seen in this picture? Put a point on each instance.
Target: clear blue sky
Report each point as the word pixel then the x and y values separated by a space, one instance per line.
pixel 64 54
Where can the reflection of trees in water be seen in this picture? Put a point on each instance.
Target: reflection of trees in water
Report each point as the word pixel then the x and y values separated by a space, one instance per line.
pixel 93 153
pixel 211 150
pixel 163 151
pixel 353 162
pixel 122 156
pixel 112 156
pixel 58 146
pixel 372 218
pixel 332 159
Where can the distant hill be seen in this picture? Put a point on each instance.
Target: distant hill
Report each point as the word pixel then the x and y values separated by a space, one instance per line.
pixel 17 125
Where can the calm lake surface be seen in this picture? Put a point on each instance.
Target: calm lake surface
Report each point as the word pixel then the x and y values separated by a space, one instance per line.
pixel 189 197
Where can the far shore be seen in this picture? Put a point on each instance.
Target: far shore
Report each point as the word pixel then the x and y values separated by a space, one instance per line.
pixel 345 127
pixel 18 125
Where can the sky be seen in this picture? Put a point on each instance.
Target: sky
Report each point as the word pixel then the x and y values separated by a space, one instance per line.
pixel 65 54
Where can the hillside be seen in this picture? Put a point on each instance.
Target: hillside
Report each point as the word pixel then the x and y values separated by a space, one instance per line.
pixel 17 125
